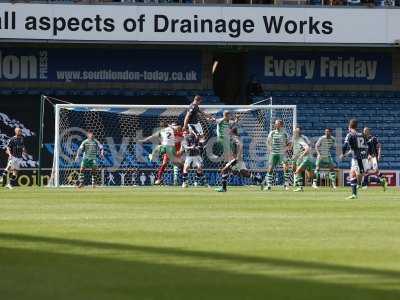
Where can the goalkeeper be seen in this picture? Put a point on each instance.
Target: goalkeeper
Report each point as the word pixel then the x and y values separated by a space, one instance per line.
pixel 277 144
pixel 90 148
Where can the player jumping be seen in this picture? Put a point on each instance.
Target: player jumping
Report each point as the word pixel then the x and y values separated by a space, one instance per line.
pixel 192 148
pixel 302 158
pixel 90 148
pixel 356 145
pixel 323 147
pixel 236 164
pixel 374 156
pixel 170 137
pixel 16 151
pixel 277 143
pixel 192 118
pixel 224 126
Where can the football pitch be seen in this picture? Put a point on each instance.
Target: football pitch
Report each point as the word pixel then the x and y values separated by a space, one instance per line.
pixel 169 243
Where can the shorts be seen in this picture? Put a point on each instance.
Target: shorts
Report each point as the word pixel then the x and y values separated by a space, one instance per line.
pixel 236 165
pixel 170 151
pixel 306 164
pixel 14 163
pixel 224 142
pixel 196 129
pixel 325 162
pixel 223 146
pixel 360 166
pixel 89 163
pixel 194 162
pixel 277 159
pixel 373 163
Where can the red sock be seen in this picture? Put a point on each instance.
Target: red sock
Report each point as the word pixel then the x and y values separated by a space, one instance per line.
pixel 161 171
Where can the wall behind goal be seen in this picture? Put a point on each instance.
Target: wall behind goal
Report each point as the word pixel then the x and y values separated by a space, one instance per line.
pixel 105 67
pixel 190 67
pixel 333 67
pixel 317 68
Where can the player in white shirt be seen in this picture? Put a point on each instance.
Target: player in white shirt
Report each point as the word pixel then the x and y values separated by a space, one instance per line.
pixel 170 139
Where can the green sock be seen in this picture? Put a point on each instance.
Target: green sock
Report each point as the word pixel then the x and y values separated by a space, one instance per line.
pixel 81 177
pixel 176 175
pixel 95 176
pixel 269 179
pixel 317 176
pixel 332 176
pixel 286 177
pixel 298 180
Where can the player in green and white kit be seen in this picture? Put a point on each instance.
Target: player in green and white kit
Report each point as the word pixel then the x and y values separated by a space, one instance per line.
pixel 167 150
pixel 224 125
pixel 236 164
pixel 277 143
pixel 168 141
pixel 302 158
pixel 90 148
pixel 323 148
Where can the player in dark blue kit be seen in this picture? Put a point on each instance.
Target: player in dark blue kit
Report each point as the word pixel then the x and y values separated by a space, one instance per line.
pixel 356 145
pixel 15 151
pixel 374 156
pixel 193 116
pixel 191 147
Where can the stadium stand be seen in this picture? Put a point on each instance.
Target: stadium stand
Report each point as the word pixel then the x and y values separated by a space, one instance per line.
pixel 208 95
pixel 377 110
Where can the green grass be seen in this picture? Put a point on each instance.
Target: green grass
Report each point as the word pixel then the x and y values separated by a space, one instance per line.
pixel 165 243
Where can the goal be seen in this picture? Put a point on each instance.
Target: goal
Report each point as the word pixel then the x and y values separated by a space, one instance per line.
pixel 119 128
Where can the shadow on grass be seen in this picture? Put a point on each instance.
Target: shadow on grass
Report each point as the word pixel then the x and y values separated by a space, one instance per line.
pixel 32 274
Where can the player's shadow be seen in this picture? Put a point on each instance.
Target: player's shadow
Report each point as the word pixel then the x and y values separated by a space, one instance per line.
pixel 37 274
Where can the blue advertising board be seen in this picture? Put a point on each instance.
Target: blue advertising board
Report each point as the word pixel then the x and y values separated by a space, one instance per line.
pixel 99 65
pixel 320 68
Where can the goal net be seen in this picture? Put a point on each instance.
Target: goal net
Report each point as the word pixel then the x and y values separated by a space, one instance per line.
pixel 120 128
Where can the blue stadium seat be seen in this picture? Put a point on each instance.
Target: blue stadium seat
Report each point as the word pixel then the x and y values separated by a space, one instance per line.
pixel 183 93
pixel 6 91
pixel 129 93
pixel 33 92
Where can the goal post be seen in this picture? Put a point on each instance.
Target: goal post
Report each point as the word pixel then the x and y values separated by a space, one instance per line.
pixel 119 128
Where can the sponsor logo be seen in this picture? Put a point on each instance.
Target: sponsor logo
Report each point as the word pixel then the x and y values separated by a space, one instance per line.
pixel 23 67
pixel 391 177
pixel 325 68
